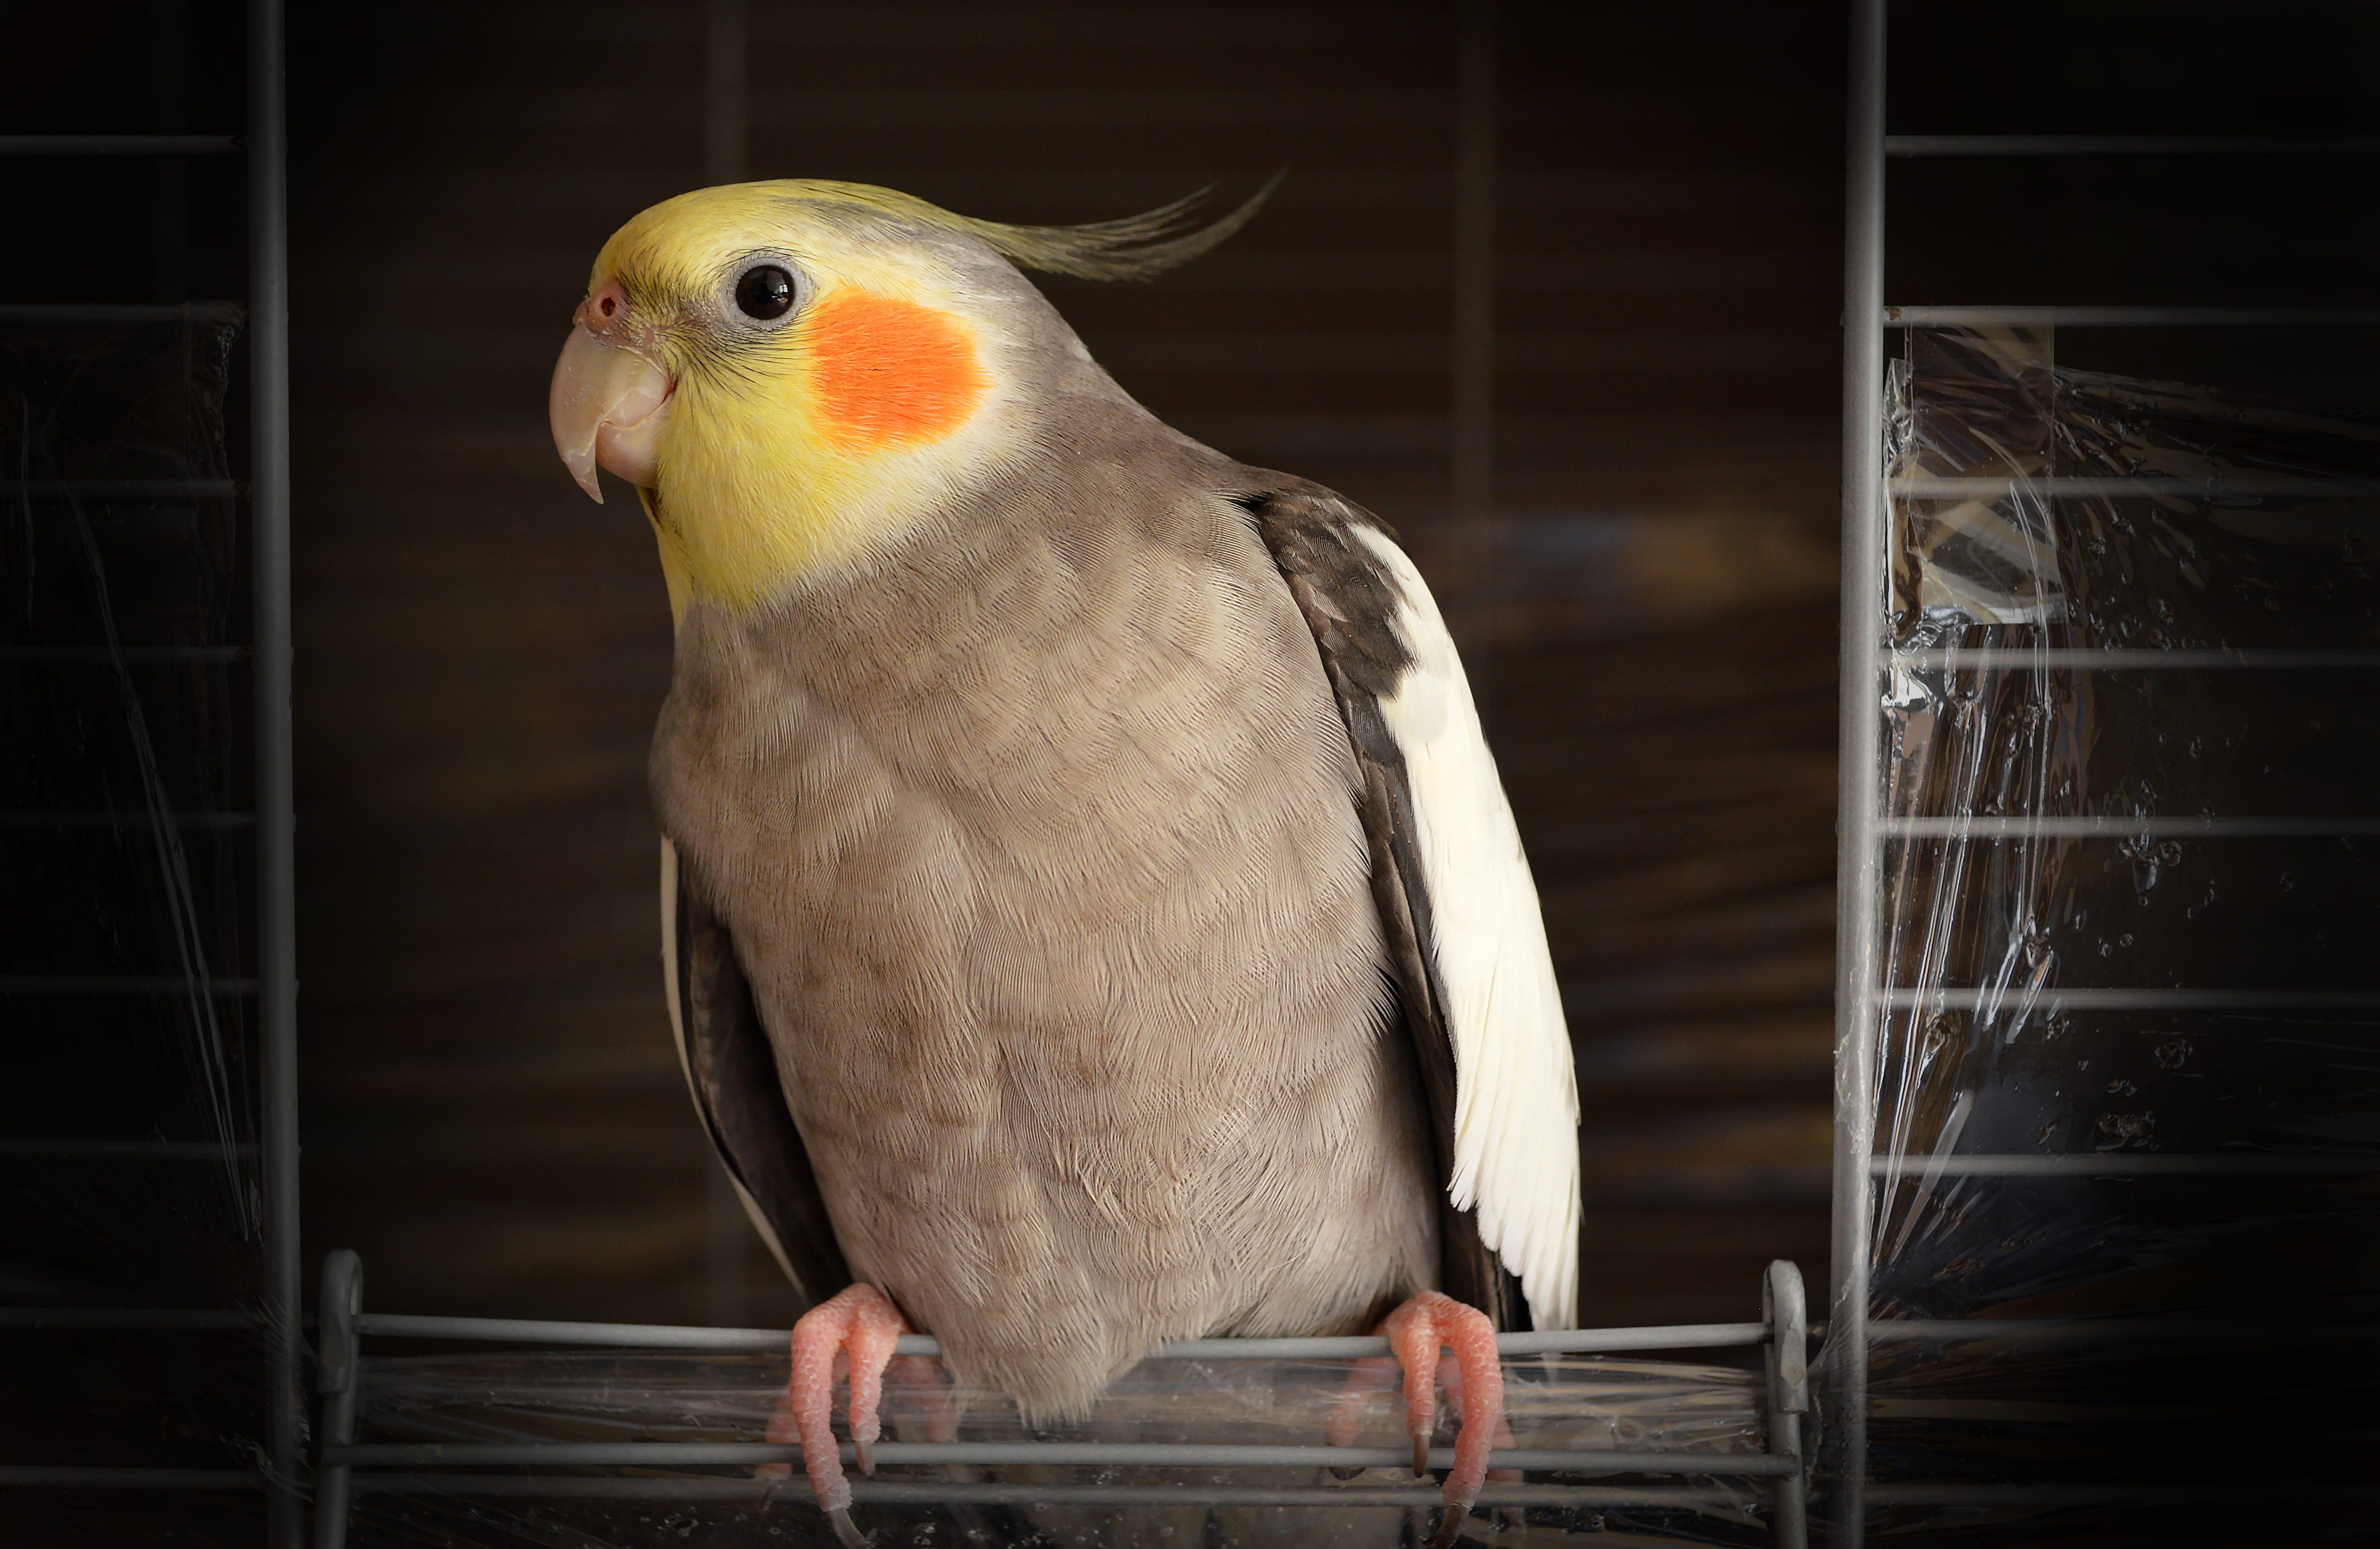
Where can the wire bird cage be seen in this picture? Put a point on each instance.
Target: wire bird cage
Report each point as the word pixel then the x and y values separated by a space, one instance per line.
pixel 2109 657
pixel 150 1144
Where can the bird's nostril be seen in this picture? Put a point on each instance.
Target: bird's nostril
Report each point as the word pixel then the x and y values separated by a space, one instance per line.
pixel 608 306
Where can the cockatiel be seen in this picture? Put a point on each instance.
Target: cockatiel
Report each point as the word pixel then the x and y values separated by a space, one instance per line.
pixel 1092 916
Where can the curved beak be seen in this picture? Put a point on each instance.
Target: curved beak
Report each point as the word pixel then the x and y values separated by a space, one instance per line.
pixel 609 399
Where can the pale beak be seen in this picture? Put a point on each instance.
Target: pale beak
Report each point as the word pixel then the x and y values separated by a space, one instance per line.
pixel 609 398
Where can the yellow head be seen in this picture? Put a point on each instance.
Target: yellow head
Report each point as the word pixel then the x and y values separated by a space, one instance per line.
pixel 793 370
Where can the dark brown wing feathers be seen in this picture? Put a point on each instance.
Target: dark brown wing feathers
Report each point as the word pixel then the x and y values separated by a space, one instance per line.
pixel 734 1074
pixel 1349 602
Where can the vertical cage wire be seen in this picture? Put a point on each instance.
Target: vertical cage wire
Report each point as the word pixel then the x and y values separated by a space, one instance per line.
pixel 1857 866
pixel 275 797
pixel 2066 593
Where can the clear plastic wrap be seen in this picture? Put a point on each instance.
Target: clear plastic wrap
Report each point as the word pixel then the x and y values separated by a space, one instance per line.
pixel 1553 1402
pixel 131 1246
pixel 2125 1123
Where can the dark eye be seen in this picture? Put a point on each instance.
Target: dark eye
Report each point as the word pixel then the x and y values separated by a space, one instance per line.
pixel 765 293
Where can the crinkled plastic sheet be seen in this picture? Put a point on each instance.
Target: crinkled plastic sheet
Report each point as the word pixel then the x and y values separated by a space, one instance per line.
pixel 129 1172
pixel 1554 1402
pixel 2209 1368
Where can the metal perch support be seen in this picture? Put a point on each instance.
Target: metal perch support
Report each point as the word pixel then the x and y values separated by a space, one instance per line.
pixel 347 1468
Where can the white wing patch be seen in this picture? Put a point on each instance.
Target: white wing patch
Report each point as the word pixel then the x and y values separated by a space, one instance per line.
pixel 1516 1096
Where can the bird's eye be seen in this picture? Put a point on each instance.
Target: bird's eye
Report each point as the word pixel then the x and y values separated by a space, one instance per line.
pixel 765 293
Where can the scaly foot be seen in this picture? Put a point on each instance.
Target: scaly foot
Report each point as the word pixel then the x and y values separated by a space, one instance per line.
pixel 1415 1332
pixel 860 1325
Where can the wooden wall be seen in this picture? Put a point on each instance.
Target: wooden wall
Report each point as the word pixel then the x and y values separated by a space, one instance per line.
pixel 494 1114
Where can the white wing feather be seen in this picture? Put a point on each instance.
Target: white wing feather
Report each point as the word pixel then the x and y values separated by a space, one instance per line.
pixel 1516 1096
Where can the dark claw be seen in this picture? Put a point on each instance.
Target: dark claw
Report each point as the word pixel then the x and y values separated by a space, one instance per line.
pixel 1450 1528
pixel 1421 1457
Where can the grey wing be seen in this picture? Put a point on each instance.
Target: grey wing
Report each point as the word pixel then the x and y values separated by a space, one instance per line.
pixel 1349 601
pixel 732 1072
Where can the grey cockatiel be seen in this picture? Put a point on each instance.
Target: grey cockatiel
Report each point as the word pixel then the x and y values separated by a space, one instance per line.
pixel 1093 916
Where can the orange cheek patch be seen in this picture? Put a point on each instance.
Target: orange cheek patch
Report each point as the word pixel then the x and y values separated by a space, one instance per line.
pixel 886 371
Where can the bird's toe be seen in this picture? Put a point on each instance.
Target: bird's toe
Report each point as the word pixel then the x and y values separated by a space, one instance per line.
pixel 1369 1377
pixel 1416 1331
pixel 860 1325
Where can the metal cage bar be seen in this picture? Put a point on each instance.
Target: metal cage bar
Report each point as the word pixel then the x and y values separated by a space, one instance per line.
pixel 1783 1332
pixel 277 908
pixel 277 1323
pixel 2128 144
pixel 118 144
pixel 1857 867
pixel 1865 830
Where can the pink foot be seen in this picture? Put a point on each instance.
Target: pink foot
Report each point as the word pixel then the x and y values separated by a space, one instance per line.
pixel 1450 1379
pixel 1371 1375
pixel 1415 1332
pixel 860 1325
pixel 926 1387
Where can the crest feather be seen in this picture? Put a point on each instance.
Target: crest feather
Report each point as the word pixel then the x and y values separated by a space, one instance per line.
pixel 1128 248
